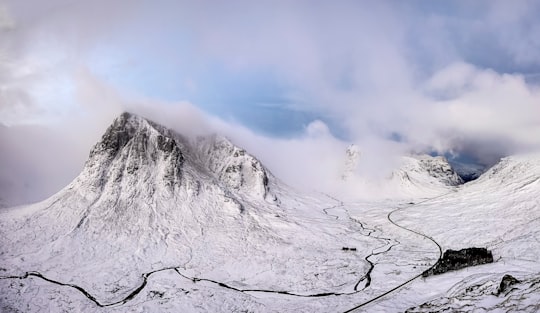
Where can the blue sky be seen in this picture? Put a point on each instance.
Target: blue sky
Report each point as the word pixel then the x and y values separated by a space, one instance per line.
pixel 271 66
pixel 454 77
pixel 239 59
pixel 263 64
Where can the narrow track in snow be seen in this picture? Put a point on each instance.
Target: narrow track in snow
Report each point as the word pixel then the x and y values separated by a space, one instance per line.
pixel 145 277
pixel 389 218
pixel 367 277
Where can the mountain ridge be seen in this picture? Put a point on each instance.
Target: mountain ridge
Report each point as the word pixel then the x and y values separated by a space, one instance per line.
pixel 215 229
pixel 143 202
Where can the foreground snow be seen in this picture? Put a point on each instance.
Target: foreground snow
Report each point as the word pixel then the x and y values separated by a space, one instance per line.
pixel 160 223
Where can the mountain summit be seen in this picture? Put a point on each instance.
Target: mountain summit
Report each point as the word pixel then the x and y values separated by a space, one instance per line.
pixel 132 151
pixel 135 151
pixel 143 197
pixel 138 164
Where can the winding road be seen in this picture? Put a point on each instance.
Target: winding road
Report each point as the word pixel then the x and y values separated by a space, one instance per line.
pixel 366 277
pixel 389 218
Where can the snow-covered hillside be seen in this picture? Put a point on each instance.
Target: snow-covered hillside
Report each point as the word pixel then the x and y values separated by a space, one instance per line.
pixel 409 176
pixel 158 222
pixel 499 211
pixel 149 199
pixel 423 174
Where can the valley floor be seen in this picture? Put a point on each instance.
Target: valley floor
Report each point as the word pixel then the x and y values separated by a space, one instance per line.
pixel 375 254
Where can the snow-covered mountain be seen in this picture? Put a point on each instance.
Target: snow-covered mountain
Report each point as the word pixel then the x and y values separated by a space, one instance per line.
pixel 144 195
pixel 159 222
pixel 425 171
pixel 149 199
pixel 413 175
pixel 500 211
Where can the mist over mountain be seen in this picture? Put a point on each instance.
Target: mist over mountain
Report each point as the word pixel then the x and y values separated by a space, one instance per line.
pixel 269 156
pixel 166 222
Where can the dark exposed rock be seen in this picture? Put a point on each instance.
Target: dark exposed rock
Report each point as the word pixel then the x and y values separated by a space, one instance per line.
pixel 116 136
pixel 132 143
pixel 166 144
pixel 153 294
pixel 173 170
pixel 439 167
pixel 506 281
pixel 457 259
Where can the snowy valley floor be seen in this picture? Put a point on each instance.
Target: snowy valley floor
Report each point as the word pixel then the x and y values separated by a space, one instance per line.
pixel 397 256
pixel 183 233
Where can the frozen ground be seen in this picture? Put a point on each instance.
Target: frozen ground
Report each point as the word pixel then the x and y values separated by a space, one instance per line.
pixel 158 223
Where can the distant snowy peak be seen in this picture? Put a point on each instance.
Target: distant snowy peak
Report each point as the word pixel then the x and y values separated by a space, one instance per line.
pixel 352 157
pixel 439 168
pixel 424 172
pixel 395 177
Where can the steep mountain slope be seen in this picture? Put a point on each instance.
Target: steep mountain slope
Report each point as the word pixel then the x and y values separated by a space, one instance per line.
pixel 491 208
pixel 425 172
pixel 241 172
pixel 133 205
pixel 499 211
pixel 150 199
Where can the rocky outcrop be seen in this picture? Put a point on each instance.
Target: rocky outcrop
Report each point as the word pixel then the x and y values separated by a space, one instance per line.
pixel 487 293
pixel 457 259
pixel 506 282
pixel 439 168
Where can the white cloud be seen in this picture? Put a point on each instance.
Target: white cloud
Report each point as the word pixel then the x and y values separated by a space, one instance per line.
pixel 376 69
pixel 317 128
pixel 6 20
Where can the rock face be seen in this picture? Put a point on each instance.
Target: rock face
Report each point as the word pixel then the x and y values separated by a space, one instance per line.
pixel 137 152
pixel 131 146
pixel 439 168
pixel 506 282
pixel 403 176
pixel 483 293
pixel 454 260
pixel 424 174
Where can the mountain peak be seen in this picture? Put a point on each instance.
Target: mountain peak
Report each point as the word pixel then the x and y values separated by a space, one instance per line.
pixel 130 147
pixel 128 126
pixel 136 151
pixel 141 172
